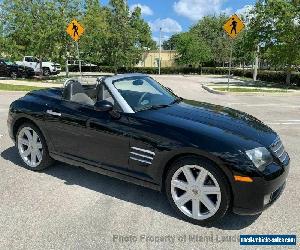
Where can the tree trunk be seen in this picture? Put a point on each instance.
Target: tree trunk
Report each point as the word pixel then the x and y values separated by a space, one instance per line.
pixel 41 67
pixel 288 76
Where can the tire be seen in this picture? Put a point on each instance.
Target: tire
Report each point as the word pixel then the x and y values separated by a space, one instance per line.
pixel 38 147
pixel 46 72
pixel 188 197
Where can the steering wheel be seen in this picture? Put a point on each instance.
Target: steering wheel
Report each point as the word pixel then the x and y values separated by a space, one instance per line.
pixel 142 98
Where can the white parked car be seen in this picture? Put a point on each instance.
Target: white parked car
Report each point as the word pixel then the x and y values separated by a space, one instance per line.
pixel 48 68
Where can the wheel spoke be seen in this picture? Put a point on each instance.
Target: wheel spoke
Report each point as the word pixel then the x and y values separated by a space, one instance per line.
pixel 24 141
pixel 183 199
pixel 33 158
pixel 196 208
pixel 39 155
pixel 201 177
pixel 39 145
pixel 179 184
pixel 26 152
pixel 188 174
pixel 208 203
pixel 34 137
pixel 210 190
pixel 28 134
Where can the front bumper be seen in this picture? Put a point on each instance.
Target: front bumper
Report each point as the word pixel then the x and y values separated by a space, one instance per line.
pixel 10 122
pixel 253 198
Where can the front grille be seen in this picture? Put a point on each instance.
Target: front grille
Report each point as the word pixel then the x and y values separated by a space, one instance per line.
pixel 278 150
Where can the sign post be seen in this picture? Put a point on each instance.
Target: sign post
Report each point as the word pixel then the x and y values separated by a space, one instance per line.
pixel 75 30
pixel 233 26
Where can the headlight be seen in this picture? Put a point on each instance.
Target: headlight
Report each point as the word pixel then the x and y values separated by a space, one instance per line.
pixel 260 157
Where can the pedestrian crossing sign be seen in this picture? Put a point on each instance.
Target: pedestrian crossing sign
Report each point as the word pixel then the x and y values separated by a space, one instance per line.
pixel 75 30
pixel 234 26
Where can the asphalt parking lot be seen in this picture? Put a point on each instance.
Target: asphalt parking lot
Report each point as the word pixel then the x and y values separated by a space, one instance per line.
pixel 67 207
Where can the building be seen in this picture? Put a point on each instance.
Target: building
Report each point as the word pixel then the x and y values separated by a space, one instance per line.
pixel 151 59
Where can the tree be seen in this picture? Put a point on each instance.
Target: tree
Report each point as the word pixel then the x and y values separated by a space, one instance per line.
pixel 171 43
pixel 113 35
pixel 275 29
pixel 210 29
pixel 129 35
pixel 93 43
pixel 37 27
pixel 192 50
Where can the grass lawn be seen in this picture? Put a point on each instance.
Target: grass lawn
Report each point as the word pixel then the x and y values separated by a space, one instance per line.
pixel 245 89
pixel 11 87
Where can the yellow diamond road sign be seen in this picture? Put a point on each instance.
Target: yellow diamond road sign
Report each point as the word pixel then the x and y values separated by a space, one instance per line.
pixel 234 26
pixel 75 30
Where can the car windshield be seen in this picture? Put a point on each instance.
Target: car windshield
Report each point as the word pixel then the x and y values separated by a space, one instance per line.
pixel 9 62
pixel 142 93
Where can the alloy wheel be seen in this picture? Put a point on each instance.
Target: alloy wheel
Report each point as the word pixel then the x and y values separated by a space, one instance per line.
pixel 13 75
pixel 195 192
pixel 30 147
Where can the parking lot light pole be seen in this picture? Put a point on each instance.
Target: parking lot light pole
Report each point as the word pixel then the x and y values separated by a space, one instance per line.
pixel 159 59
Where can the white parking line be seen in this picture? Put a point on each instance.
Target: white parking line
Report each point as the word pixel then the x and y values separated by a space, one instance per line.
pixel 264 105
pixel 289 121
pixel 283 123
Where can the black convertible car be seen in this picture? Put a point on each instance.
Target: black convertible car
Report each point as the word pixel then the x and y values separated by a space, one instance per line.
pixel 10 69
pixel 206 158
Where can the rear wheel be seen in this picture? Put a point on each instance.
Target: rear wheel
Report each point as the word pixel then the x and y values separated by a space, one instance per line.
pixel 32 148
pixel 197 190
pixel 14 75
pixel 46 72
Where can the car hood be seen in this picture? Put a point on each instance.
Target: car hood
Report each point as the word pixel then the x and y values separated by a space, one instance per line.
pixel 227 119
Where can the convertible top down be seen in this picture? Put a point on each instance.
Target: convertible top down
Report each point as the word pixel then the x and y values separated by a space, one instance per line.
pixel 207 158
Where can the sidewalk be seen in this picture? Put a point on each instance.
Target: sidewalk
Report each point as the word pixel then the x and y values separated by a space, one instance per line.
pixel 31 83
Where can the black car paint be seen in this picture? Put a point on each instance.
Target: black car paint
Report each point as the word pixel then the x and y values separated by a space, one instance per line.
pixel 6 70
pixel 100 142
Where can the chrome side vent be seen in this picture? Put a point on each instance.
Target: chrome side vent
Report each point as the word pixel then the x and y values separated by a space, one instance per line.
pixel 141 155
pixel 278 150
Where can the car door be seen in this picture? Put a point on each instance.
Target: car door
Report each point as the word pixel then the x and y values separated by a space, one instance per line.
pixel 80 132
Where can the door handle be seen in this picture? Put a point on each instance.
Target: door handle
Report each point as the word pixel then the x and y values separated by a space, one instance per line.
pixel 50 112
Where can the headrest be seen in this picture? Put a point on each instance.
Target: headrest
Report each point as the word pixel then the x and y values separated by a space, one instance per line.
pixel 71 88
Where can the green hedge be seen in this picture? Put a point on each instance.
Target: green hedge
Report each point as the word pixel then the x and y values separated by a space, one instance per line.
pixel 263 75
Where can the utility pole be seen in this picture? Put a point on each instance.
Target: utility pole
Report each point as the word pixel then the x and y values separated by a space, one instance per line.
pixel 256 64
pixel 159 60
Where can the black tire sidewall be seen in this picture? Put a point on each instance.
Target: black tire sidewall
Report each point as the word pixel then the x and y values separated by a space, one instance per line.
pixel 46 70
pixel 219 176
pixel 46 159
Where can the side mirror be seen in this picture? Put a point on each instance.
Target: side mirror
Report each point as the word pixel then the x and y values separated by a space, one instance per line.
pixel 104 106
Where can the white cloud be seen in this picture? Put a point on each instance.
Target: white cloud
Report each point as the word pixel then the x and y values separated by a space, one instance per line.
pixel 245 11
pixel 168 25
pixel 146 10
pixel 196 9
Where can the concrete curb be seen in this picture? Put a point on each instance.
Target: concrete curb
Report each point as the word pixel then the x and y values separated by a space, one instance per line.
pixel 210 90
pixel 213 91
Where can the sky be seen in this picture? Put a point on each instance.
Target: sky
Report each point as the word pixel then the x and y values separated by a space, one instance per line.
pixel 178 15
